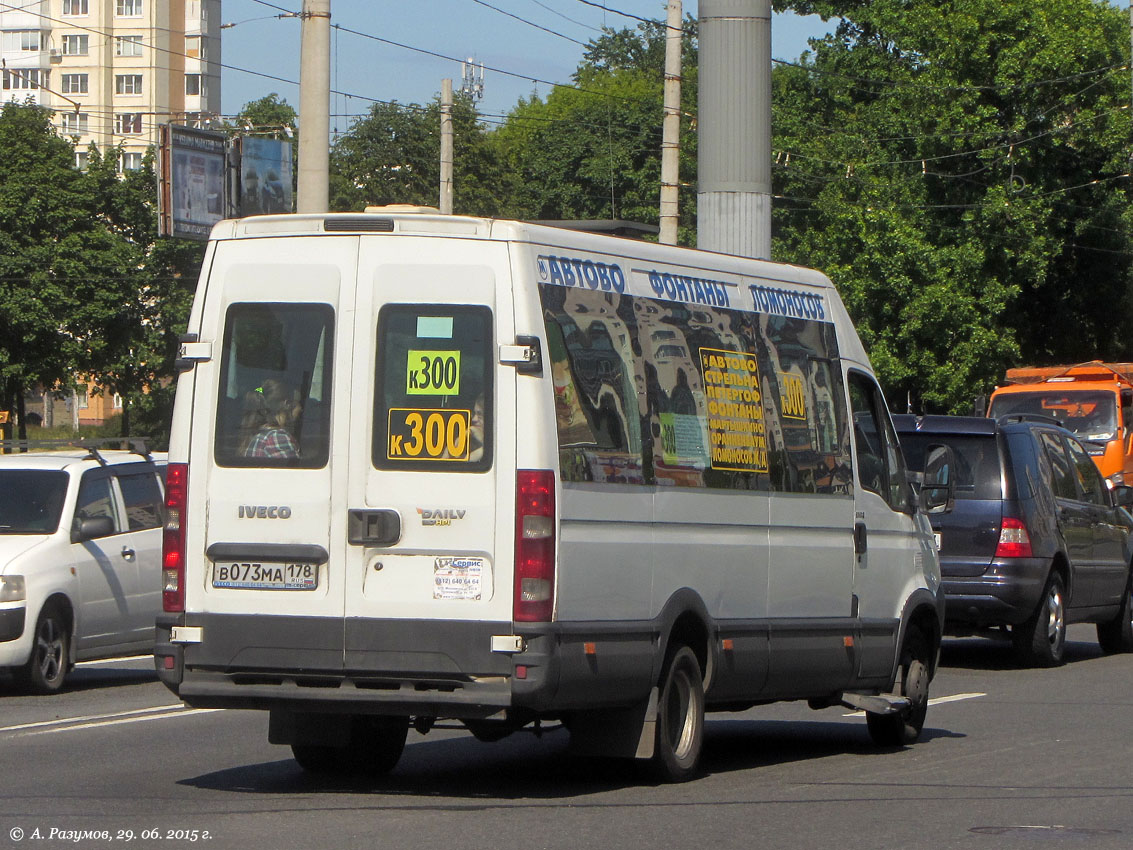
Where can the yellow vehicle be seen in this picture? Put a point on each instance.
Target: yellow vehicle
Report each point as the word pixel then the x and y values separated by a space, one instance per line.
pixel 1094 400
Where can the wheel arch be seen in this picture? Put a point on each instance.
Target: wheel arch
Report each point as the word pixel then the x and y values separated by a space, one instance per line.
pixel 685 621
pixel 62 603
pixel 923 613
pixel 1061 564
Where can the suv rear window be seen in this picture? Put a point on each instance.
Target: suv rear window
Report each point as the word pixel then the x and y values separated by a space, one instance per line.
pixel 977 461
pixel 31 500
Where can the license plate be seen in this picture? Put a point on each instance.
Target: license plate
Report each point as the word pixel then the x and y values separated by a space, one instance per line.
pixel 265 576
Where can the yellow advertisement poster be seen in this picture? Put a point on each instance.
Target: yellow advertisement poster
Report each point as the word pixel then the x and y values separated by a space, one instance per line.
pixel 736 429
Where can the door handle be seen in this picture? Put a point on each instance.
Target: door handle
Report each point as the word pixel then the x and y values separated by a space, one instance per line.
pixel 127 553
pixel 859 538
pixel 380 527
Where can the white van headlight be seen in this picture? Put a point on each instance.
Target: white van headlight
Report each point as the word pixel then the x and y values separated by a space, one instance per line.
pixel 12 589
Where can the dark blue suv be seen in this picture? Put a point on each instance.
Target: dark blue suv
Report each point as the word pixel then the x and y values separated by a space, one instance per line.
pixel 1034 540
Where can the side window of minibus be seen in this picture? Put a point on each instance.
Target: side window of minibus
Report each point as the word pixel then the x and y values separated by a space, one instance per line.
pixel 881 466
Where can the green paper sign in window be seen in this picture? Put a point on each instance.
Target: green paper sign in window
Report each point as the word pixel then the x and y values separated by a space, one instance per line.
pixel 432 373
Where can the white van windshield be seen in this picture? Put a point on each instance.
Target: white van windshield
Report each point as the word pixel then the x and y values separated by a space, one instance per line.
pixel 31 500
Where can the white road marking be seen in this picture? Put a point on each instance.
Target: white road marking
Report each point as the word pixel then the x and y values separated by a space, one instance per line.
pixel 118 660
pixel 932 701
pixel 64 724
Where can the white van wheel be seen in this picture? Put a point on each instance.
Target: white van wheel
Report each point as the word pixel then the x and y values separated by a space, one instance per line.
pixel 46 666
pixel 680 718
pixel 376 744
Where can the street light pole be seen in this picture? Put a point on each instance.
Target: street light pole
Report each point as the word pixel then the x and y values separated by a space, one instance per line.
pixel 313 189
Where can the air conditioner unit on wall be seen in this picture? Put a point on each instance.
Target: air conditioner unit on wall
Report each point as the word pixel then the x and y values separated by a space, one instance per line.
pixel 55 56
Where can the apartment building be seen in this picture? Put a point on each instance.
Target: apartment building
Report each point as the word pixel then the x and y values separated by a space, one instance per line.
pixel 114 71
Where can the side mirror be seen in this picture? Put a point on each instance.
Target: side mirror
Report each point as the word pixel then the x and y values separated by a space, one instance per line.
pixel 938 485
pixel 93 528
pixel 1122 495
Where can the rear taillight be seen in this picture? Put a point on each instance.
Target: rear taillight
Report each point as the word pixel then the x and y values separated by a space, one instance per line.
pixel 1014 542
pixel 534 546
pixel 173 539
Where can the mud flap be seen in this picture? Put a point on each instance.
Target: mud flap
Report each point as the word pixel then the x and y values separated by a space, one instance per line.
pixel 616 732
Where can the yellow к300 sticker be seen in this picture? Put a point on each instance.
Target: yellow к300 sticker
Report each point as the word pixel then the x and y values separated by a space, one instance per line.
pixel 428 434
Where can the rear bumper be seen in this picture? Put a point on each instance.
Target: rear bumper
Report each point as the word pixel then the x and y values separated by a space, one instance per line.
pixel 1006 594
pixel 434 668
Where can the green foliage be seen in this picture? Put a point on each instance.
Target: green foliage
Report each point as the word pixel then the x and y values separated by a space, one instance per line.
pixel 86 287
pixel 392 156
pixel 960 170
pixel 594 151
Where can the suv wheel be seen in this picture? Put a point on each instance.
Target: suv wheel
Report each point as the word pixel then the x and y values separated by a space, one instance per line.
pixel 1041 640
pixel 46 667
pixel 1117 634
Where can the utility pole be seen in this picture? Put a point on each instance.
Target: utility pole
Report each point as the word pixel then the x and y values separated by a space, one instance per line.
pixel 671 127
pixel 446 146
pixel 314 108
pixel 734 128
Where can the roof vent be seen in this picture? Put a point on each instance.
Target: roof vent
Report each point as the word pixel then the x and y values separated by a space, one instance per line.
pixel 369 225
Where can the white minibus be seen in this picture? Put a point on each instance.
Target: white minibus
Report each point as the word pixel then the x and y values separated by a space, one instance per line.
pixel 433 468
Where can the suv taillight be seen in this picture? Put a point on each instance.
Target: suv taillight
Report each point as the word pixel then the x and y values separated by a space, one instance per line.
pixel 1014 542
pixel 173 539
pixel 534 546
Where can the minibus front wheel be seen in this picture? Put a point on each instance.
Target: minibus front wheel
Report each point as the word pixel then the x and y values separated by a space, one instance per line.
pixel 904 727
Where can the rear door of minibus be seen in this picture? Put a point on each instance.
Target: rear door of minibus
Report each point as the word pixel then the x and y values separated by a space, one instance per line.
pixel 271 528
pixel 431 481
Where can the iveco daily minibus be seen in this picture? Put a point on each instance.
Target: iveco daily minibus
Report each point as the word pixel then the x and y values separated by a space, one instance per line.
pixel 432 468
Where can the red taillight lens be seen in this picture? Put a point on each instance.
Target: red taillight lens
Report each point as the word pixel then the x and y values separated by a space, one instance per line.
pixel 1014 542
pixel 534 546
pixel 173 539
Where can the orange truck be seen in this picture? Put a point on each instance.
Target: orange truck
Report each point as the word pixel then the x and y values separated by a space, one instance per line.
pixel 1094 400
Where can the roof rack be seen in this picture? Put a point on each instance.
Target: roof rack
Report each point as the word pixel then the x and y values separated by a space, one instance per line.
pixel 1029 417
pixel 137 445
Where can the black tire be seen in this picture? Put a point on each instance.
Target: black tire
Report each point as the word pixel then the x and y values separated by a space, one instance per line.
pixel 680 718
pixel 46 667
pixel 376 744
pixel 904 727
pixel 1041 640
pixel 1117 635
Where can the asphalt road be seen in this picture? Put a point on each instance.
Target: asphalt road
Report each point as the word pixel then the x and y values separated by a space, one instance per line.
pixel 1009 758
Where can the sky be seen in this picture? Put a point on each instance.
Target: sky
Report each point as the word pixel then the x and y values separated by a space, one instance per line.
pixel 260 49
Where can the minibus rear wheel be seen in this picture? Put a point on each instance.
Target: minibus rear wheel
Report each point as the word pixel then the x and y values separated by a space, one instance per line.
pixel 680 718
pixel 376 744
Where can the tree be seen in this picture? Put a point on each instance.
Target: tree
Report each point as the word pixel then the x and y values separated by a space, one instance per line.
pixel 392 156
pixel 85 288
pixel 136 358
pixel 594 150
pixel 960 170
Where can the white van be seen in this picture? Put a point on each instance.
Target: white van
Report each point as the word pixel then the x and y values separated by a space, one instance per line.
pixel 429 467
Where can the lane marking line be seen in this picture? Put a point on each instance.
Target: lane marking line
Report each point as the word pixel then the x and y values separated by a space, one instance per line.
pixel 117 660
pixel 183 712
pixel 932 701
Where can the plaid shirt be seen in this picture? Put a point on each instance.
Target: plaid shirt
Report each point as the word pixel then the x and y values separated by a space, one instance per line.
pixel 272 442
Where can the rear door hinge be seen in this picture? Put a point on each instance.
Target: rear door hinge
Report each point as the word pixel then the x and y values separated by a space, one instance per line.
pixel 526 355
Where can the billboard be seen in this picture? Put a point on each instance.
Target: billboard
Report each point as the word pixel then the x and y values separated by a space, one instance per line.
pixel 265 176
pixel 193 169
